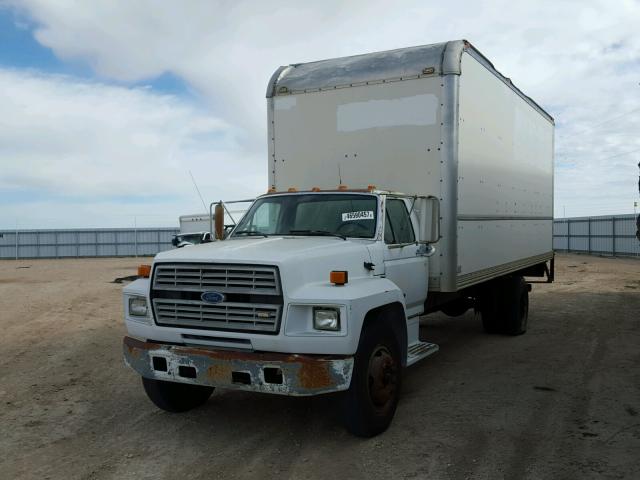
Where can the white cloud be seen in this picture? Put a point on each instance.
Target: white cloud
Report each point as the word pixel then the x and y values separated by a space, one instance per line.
pixel 80 142
pixel 580 60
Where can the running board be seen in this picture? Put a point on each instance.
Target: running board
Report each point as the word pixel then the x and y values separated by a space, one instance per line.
pixel 419 350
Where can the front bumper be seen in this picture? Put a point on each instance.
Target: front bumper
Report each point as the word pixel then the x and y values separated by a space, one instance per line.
pixel 285 374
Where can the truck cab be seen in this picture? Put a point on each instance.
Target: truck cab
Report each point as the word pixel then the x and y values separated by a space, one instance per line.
pixel 285 302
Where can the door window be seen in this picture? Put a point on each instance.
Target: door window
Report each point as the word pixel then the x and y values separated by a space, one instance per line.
pixel 398 228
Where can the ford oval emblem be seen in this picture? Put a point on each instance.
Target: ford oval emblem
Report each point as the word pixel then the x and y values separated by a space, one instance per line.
pixel 212 297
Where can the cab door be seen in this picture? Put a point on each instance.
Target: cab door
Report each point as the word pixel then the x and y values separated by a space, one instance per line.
pixel 403 264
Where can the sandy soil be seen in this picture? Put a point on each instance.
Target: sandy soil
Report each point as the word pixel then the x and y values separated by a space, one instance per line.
pixel 562 401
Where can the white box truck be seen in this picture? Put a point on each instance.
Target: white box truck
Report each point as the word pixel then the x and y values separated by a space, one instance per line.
pixel 400 183
pixel 194 229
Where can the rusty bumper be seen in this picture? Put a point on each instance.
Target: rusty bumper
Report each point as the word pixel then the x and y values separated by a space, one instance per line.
pixel 285 374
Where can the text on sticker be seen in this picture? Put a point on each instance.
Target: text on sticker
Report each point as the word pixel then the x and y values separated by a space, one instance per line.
pixel 351 216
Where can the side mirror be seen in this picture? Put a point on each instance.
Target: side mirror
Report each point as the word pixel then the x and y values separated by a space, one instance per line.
pixel 174 241
pixel 428 211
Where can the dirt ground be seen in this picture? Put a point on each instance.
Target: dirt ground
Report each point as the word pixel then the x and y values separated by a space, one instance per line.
pixel 561 402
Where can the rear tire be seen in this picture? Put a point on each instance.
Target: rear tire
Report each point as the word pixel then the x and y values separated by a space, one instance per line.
pixel 370 403
pixel 504 306
pixel 489 308
pixel 175 397
pixel 515 309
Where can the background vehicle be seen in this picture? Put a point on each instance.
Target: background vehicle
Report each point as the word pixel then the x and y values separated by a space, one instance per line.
pixel 194 229
pixel 319 288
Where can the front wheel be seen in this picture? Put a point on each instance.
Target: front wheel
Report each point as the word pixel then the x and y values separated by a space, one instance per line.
pixel 372 398
pixel 175 397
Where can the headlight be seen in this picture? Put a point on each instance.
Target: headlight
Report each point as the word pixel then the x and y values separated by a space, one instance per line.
pixel 138 306
pixel 326 318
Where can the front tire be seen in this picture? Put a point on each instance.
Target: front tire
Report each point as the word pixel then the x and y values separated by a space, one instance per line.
pixel 372 398
pixel 175 397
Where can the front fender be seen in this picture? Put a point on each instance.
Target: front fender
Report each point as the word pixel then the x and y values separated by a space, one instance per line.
pixel 359 296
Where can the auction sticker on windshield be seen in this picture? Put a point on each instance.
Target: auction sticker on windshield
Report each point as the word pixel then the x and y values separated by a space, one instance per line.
pixel 351 216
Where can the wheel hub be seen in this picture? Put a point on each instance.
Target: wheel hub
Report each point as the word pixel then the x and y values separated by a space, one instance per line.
pixel 382 377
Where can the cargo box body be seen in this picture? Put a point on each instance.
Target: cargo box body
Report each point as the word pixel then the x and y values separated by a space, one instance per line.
pixel 433 120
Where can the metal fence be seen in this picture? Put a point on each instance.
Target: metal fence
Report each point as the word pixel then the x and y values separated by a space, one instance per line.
pixel 116 242
pixel 604 235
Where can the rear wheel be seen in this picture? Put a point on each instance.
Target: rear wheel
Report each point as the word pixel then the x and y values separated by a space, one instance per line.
pixel 371 401
pixel 175 397
pixel 515 309
pixel 504 306
pixel 489 308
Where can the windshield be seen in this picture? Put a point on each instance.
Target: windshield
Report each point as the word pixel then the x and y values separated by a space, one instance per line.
pixel 341 215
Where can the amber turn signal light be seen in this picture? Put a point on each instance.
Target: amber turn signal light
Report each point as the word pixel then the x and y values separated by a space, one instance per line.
pixel 339 277
pixel 144 271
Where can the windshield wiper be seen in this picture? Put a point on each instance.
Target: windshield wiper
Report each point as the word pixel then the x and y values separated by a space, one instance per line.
pixel 250 233
pixel 322 233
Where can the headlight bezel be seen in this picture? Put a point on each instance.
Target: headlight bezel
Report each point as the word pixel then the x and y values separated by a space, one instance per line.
pixel 131 306
pixel 331 320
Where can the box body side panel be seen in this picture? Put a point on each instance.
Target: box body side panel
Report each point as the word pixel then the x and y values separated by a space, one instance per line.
pixel 505 178
pixel 384 134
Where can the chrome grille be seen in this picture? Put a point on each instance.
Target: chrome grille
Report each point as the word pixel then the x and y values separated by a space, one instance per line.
pixel 224 278
pixel 221 316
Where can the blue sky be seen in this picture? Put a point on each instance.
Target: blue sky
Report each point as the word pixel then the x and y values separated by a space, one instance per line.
pixel 105 107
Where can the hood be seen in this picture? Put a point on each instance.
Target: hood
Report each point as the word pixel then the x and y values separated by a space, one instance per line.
pixel 301 260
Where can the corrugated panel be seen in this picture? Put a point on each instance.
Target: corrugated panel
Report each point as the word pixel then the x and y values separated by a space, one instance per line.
pixel 107 237
pixel 579 244
pixel 8 238
pixel 560 243
pixel 580 227
pixel 602 245
pixel 165 237
pixel 601 226
pixel 87 250
pixel 146 236
pixel 46 251
pixel 560 227
pixel 66 238
pixel 28 238
pixel 126 237
pixel 47 238
pixel 87 237
pixel 26 252
pixel 629 246
pixel 67 251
